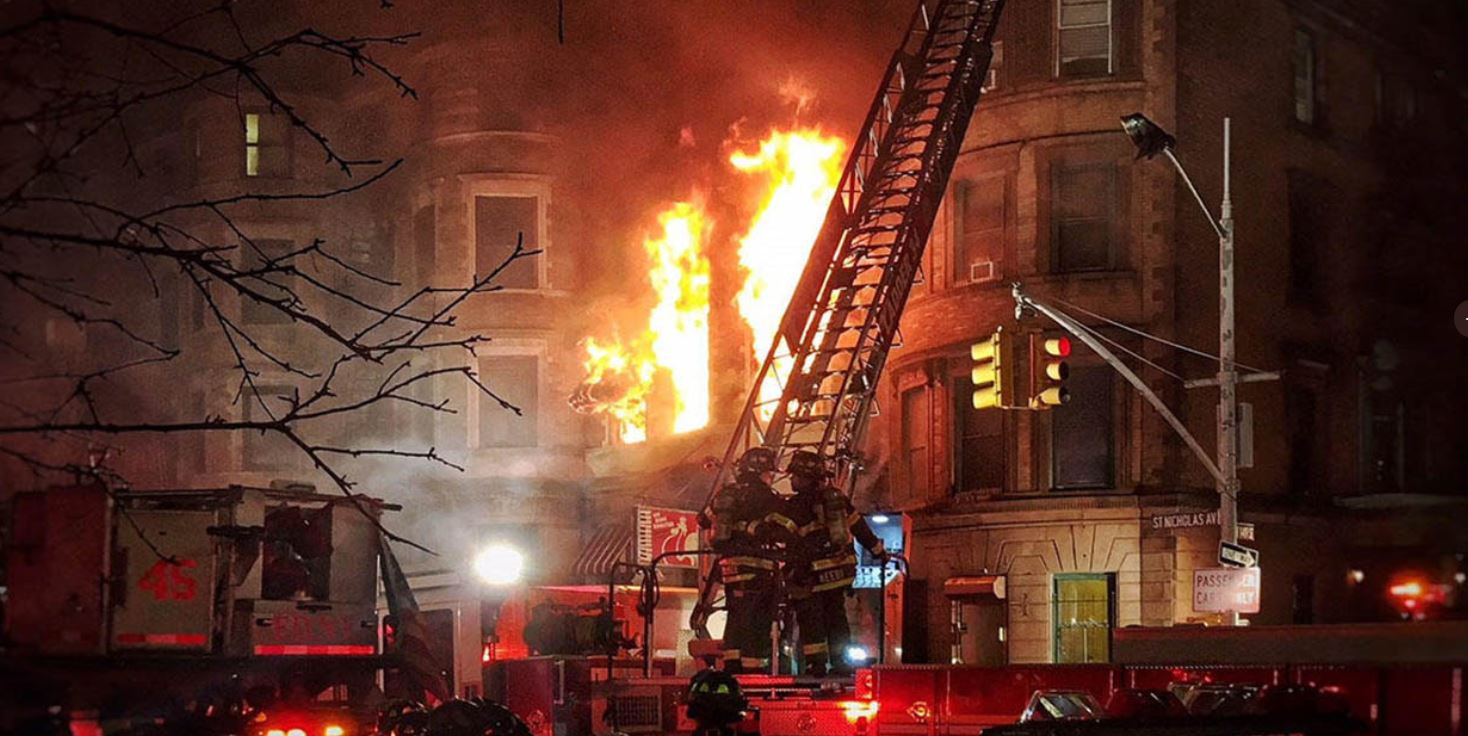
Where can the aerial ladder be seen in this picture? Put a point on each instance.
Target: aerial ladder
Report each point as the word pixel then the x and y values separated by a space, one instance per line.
pixel 842 319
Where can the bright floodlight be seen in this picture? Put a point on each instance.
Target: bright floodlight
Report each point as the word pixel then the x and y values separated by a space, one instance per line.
pixel 856 655
pixel 880 519
pixel 499 564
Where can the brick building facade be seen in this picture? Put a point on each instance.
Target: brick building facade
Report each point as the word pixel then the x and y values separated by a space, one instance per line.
pixel 1047 193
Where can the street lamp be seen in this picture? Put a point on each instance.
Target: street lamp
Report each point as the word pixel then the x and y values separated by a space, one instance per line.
pixel 1150 140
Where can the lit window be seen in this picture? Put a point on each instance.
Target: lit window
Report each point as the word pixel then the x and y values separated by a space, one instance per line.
pixel 1305 73
pixel 267 153
pixel 1085 38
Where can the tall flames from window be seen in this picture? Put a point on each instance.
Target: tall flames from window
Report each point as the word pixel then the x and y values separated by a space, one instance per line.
pixel 801 169
pixel 795 173
pixel 620 373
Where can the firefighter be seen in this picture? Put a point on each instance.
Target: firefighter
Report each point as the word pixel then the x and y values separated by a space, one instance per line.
pixel 747 560
pixel 823 564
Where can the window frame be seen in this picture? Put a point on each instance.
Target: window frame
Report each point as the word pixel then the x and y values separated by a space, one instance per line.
pixel 961 403
pixel 1055 602
pixel 1060 29
pixel 482 403
pixel 961 273
pixel 1114 219
pixel 923 394
pixel 259 145
pixel 533 186
pixel 248 307
pixel 1112 459
pixel 254 403
pixel 1311 106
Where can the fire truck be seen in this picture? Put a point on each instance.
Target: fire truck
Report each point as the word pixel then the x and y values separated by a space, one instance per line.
pixel 131 606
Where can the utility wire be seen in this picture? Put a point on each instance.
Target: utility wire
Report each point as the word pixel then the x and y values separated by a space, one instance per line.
pixel 1128 351
pixel 1150 336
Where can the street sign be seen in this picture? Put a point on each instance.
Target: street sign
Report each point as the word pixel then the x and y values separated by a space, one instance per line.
pixel 1237 555
pixel 1224 589
pixel 1185 520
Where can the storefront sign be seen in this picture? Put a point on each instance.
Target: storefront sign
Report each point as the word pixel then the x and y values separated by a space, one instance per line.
pixel 661 530
pixel 1223 589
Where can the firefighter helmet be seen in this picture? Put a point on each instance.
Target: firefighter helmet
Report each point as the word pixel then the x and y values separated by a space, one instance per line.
pixel 756 461
pixel 808 464
pixel 714 699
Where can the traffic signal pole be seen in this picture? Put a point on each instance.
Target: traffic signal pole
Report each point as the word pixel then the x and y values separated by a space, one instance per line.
pixel 1069 324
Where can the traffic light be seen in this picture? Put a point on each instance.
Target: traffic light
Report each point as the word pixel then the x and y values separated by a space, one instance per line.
pixel 1048 373
pixel 988 373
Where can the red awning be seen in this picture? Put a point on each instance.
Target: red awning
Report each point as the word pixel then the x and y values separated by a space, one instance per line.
pixel 604 548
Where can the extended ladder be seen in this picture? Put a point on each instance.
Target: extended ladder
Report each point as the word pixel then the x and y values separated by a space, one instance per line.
pixel 843 316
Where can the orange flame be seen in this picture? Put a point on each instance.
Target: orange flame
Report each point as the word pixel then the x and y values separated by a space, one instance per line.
pixel 796 172
pixel 801 169
pixel 620 375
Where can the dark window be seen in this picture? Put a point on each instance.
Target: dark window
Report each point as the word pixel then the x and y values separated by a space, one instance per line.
pixel 1081 430
pixel 198 305
pixel 1385 447
pixel 1082 618
pixel 1305 77
pixel 499 222
pixel 1085 38
pixel 1307 232
pixel 276 287
pixel 979 451
pixel 1302 603
pixel 915 426
pixel 1084 205
pixel 267 145
pixel 516 379
pixel 197 443
pixel 425 242
pixel 979 248
pixel 1300 420
pixel 296 548
pixel 373 252
pixel 265 450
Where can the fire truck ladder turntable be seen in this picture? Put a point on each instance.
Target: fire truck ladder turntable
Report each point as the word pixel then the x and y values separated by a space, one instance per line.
pixel 842 319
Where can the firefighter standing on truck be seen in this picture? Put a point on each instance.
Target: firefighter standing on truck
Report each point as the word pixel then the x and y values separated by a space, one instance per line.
pixel 823 561
pixel 747 562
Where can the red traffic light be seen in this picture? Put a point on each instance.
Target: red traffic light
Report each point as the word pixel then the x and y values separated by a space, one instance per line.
pixel 1058 347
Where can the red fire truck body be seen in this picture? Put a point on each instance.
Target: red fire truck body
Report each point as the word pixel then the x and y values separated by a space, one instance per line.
pixel 118 599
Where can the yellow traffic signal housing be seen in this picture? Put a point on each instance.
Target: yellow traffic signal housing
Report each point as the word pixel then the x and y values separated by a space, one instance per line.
pixel 1048 373
pixel 988 371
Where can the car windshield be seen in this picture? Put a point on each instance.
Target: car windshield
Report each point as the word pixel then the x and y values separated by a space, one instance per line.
pixel 1067 706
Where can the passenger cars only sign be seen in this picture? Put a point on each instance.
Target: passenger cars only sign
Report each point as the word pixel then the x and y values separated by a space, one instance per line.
pixel 1223 589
